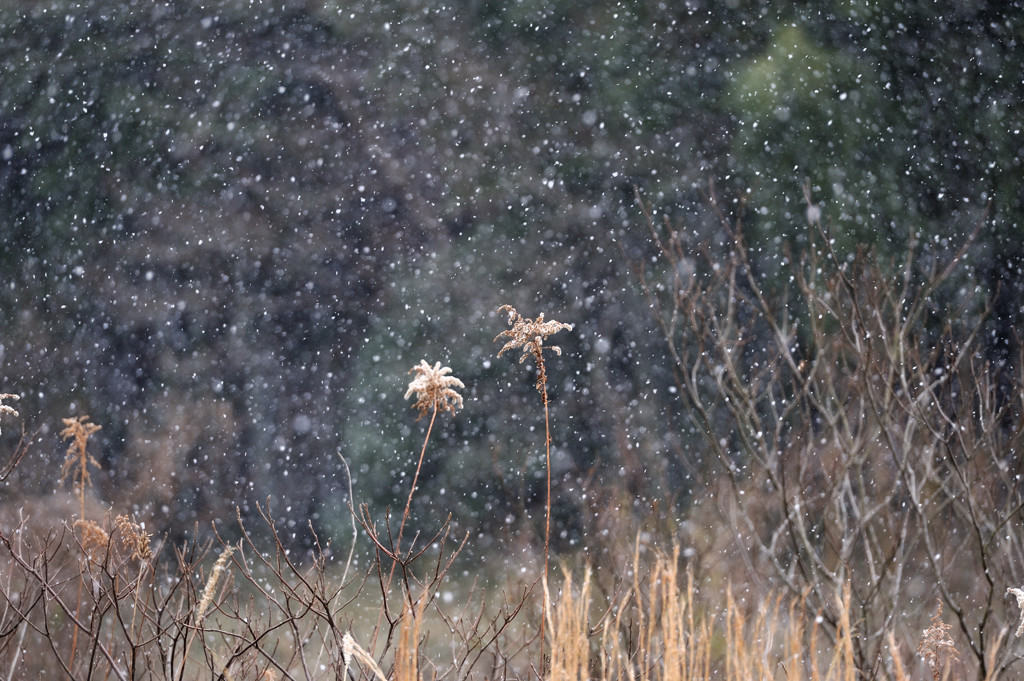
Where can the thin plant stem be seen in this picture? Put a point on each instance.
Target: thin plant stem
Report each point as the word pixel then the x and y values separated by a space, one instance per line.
pixel 528 335
pixel 415 478
pixel 397 549
pixel 352 513
pixel 547 518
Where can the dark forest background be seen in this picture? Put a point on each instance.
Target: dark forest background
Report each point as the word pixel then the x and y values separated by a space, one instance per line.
pixel 230 229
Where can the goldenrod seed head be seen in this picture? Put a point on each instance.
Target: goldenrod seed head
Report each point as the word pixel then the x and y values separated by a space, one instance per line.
pixel 529 334
pixel 434 388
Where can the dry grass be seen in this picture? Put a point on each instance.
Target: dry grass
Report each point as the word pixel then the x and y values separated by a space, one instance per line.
pixel 662 629
pixel 255 613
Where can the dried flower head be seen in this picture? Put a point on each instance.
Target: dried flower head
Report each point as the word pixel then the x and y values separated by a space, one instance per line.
pixel 529 334
pixel 77 460
pixel 937 645
pixel 1019 593
pixel 216 573
pixel 133 537
pixel 93 538
pixel 7 409
pixel 434 388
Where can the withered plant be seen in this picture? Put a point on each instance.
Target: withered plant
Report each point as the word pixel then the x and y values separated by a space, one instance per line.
pixel 93 539
pixel 858 437
pixel 435 391
pixel 78 459
pixel 937 646
pixel 6 409
pixel 528 335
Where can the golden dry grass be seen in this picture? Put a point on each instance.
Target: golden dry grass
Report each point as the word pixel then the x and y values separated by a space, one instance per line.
pixel 663 629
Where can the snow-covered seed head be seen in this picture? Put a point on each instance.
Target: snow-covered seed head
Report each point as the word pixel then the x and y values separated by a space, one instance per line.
pixel 937 646
pixel 1019 593
pixel 434 388
pixel 529 335
pixel 6 408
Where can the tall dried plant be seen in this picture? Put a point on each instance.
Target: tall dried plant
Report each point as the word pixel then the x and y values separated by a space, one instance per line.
pixel 937 646
pixel 435 391
pixel 528 335
pixel 78 459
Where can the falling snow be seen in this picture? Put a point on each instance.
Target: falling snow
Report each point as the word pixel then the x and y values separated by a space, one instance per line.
pixel 230 230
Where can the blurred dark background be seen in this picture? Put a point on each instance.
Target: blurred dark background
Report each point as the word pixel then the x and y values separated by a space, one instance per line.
pixel 230 229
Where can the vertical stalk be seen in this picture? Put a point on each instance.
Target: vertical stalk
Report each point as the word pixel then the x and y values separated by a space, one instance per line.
pixel 397 549
pixel 415 478
pixel 547 519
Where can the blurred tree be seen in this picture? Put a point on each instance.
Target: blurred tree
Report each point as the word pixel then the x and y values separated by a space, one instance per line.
pixel 904 117
pixel 267 213
pixel 194 212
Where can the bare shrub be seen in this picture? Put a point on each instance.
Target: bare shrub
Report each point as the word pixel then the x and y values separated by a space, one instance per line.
pixel 859 439
pixel 86 596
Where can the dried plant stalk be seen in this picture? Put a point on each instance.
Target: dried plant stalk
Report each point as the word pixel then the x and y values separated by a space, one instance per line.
pixel 529 335
pixel 77 460
pixel 937 647
pixel 435 391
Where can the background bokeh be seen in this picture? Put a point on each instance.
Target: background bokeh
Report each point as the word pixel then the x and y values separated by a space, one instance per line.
pixel 230 229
